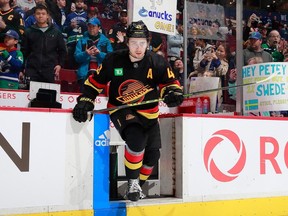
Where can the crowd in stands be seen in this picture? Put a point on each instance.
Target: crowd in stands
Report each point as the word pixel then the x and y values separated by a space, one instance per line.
pixel 42 38
pixel 45 37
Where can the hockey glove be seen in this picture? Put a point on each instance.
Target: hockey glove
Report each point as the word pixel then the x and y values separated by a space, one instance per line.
pixel 81 109
pixel 173 96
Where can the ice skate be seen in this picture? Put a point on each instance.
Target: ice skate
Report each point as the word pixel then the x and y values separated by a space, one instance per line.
pixel 134 191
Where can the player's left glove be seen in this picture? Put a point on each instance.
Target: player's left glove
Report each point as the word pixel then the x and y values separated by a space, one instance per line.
pixel 173 96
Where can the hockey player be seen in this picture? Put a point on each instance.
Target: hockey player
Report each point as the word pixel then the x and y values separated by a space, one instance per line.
pixel 136 75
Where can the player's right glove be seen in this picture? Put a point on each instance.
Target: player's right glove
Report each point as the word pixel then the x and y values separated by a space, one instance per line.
pixel 81 109
pixel 173 96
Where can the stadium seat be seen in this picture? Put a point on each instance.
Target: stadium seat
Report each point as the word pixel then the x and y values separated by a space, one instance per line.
pixel 106 24
pixel 68 80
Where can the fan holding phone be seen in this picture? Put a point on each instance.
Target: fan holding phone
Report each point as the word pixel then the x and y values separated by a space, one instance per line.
pixel 91 49
pixel 215 60
pixel 210 54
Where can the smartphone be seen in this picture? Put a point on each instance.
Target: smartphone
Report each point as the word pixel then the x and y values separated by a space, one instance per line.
pixel 89 44
pixel 209 51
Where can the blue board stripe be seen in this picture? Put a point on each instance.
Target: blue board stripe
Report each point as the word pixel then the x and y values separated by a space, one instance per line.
pixel 101 204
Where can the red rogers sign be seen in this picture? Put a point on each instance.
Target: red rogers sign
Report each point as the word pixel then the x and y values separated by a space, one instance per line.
pixel 266 156
pixel 210 165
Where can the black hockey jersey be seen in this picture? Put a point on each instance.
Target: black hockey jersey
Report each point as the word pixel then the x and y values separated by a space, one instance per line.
pixel 132 82
pixel 13 20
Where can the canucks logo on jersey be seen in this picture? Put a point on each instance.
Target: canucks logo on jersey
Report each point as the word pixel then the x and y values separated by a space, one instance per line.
pixel 132 91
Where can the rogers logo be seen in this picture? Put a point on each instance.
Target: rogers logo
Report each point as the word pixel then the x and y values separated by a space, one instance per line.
pixel 70 99
pixel 211 166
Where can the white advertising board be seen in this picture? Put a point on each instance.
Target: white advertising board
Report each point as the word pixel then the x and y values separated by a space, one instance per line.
pixel 233 158
pixel 21 99
pixel 45 161
pixel 266 96
pixel 43 177
pixel 68 101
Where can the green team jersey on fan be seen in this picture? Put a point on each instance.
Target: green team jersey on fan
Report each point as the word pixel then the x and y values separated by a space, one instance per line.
pixel 277 56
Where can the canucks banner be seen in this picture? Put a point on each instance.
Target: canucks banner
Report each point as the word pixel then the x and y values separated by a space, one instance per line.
pixel 206 21
pixel 271 95
pixel 158 15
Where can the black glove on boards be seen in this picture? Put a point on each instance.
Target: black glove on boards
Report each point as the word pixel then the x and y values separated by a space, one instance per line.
pixel 81 109
pixel 173 96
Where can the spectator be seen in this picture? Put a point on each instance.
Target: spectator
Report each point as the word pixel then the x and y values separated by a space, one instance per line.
pixel 75 26
pixel 26 5
pixel 91 50
pixel 252 26
pixel 117 34
pixel 106 14
pixel 93 12
pixel 208 74
pixel 31 20
pixel 201 47
pixel 10 19
pixel 175 44
pixel 213 30
pixel 178 17
pixel 75 23
pixel 191 49
pixel 121 3
pixel 275 23
pixel 73 7
pixel 178 69
pixel 267 21
pixel 43 48
pixel 16 8
pixel 11 61
pixel 214 61
pixel 229 95
pixel 195 31
pixel 215 64
pixel 232 82
pixel 59 12
pixel 272 46
pixel 255 50
pixel 116 11
pixel 255 60
pixel 264 33
pixel 285 53
pixel 284 32
pixel 32 10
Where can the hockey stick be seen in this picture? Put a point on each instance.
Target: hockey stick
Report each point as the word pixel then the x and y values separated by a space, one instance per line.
pixel 185 95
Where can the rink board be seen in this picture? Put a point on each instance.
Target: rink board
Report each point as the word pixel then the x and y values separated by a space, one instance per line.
pixel 76 155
